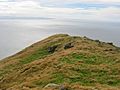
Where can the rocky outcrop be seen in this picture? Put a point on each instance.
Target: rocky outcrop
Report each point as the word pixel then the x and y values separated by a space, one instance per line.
pixel 52 49
pixel 68 45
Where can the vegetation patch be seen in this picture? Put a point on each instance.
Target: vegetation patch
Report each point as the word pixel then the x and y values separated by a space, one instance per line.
pixel 39 54
pixel 89 72
pixel 74 58
pixel 91 59
pixel 89 76
pixel 58 78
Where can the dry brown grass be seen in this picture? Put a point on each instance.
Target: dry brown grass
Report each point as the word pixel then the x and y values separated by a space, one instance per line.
pixel 32 69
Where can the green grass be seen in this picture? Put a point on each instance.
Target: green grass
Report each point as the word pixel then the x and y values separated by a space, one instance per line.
pixel 73 58
pixel 91 59
pixel 89 72
pixel 86 77
pixel 39 54
pixel 58 78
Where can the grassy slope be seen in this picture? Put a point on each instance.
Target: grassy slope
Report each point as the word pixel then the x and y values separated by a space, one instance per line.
pixel 89 65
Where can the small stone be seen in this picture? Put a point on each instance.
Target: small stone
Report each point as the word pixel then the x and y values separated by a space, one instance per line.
pixel 52 85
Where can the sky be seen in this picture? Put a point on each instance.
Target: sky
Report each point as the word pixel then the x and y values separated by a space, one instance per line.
pixel 98 10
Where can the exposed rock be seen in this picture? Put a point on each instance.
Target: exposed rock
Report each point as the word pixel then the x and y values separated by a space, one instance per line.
pixel 110 43
pixel 68 45
pixel 52 86
pixel 52 49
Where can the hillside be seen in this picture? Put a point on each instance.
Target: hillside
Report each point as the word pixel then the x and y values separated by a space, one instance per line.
pixel 63 62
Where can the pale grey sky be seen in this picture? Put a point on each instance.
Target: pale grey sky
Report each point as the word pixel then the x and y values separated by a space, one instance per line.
pixel 105 10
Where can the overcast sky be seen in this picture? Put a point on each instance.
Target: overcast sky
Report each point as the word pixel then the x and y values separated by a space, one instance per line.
pixel 105 10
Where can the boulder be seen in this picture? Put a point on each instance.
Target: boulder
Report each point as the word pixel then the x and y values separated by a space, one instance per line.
pixel 52 49
pixel 110 43
pixel 68 45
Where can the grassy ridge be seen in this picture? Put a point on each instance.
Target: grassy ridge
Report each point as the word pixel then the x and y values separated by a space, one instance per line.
pixel 89 64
